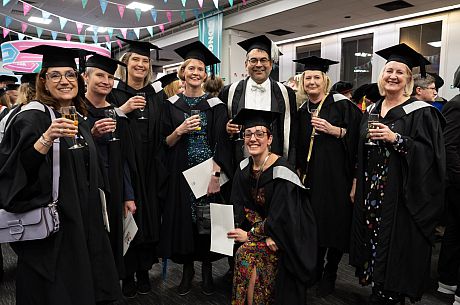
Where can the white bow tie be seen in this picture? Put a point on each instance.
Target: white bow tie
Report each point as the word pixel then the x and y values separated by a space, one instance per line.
pixel 257 87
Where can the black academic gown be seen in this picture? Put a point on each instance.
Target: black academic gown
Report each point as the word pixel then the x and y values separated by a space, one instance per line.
pixel 412 204
pixel 331 168
pixel 278 105
pixel 289 222
pixel 75 265
pixel 118 167
pixel 177 234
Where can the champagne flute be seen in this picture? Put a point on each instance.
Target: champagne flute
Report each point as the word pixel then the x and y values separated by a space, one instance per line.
pixel 315 114
pixel 373 118
pixel 239 138
pixel 111 114
pixel 70 112
pixel 142 117
pixel 196 112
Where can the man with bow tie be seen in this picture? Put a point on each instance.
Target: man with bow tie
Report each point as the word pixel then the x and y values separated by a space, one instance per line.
pixel 260 92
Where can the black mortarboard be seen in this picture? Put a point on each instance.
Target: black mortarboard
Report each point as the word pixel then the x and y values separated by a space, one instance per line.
pixel 12 86
pixel 316 63
pixel 342 87
pixel 8 78
pixel 252 117
pixel 60 57
pixel 105 63
pixel 140 47
pixel 359 93
pixel 261 42
pixel 157 68
pixel 404 54
pixel 28 78
pixel 197 50
pixel 167 79
pixel 2 91
pixel 438 81
pixel 372 92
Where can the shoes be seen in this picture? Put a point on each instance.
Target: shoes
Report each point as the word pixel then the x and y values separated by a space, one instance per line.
pixel 143 282
pixel 457 300
pixel 188 272
pixel 326 285
pixel 376 300
pixel 447 289
pixel 207 285
pixel 128 287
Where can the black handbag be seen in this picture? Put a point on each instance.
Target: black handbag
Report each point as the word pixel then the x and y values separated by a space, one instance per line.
pixel 203 219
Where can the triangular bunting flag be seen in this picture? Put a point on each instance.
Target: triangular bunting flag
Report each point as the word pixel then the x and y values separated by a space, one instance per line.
pixel 119 43
pixel 150 30
pixel 39 31
pixel 216 3
pixel 26 7
pixel 121 9
pixel 54 34
pixel 183 2
pixel 107 38
pixel 62 21
pixel 166 1
pixel 109 46
pixel 200 3
pixel 110 32
pixel 169 16
pixel 95 29
pixel 153 12
pixel 183 16
pixel 84 3
pixel 162 27
pixel 95 38
pixel 196 13
pixel 244 2
pixel 137 31
pixel 230 2
pixel 123 32
pixel 138 13
pixel 8 21
pixel 5 2
pixel 79 27
pixel 21 36
pixel 24 26
pixel 45 14
pixel 103 4
pixel 68 37
pixel 82 38
pixel 5 32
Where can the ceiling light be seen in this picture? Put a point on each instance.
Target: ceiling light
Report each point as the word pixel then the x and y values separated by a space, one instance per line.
pixel 40 20
pixel 436 44
pixel 362 54
pixel 99 29
pixel 142 6
pixel 360 71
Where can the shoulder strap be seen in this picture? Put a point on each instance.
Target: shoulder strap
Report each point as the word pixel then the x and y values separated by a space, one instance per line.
pixel 287 118
pixel 244 163
pixel 415 105
pixel 282 172
pixel 119 112
pixel 173 99
pixel 231 93
pixel 214 101
pixel 56 161
pixel 157 86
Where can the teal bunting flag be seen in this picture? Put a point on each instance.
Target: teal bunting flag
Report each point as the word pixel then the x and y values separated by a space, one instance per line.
pixel 103 4
pixel 82 38
pixel 39 32
pixel 230 2
pixel 54 34
pixel 62 21
pixel 183 2
pixel 95 38
pixel 183 16
pixel 5 2
pixel 21 36
pixel 153 12
pixel 110 32
pixel 45 14
pixel 138 13
pixel 84 3
pixel 137 32
pixel 8 21
pixel 150 30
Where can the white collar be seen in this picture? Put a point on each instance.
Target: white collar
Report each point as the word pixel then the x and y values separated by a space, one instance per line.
pixel 265 84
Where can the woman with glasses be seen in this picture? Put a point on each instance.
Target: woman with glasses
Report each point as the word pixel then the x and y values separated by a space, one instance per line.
pixel 274 221
pixel 194 131
pixel 75 265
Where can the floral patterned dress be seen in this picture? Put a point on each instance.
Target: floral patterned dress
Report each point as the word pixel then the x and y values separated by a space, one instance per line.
pixel 255 254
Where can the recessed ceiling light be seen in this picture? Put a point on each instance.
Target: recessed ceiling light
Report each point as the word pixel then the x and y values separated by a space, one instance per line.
pixel 142 6
pixel 99 29
pixel 40 20
pixel 436 44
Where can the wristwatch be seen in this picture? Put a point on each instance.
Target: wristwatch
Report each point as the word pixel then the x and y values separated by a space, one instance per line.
pixel 397 139
pixel 215 174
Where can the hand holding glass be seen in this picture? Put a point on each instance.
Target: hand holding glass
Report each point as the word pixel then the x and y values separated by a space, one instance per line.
pixel 196 112
pixel 373 118
pixel 70 112
pixel 111 114
pixel 315 114
pixel 142 117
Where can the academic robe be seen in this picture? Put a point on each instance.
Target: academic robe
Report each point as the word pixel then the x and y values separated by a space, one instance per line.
pixel 177 233
pixel 289 221
pixel 119 172
pixel 74 265
pixel 284 130
pixel 331 168
pixel 413 199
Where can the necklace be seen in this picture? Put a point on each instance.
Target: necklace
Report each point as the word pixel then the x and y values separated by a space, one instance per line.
pixel 308 107
pixel 261 168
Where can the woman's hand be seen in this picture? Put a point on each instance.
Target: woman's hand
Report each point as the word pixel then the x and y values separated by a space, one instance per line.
pixel 130 206
pixel 382 132
pixel 103 126
pixel 238 235
pixel 61 127
pixel 353 191
pixel 324 126
pixel 136 102
pixel 232 128
pixel 213 186
pixel 189 125
pixel 271 244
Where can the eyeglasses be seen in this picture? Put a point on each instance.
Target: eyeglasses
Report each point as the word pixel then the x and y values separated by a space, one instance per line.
pixel 430 88
pixel 56 77
pixel 254 61
pixel 258 133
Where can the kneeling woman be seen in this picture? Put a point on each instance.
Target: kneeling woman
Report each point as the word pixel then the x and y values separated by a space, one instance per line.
pixel 276 222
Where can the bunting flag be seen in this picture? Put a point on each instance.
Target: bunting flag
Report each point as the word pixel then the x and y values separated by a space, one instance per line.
pixel 244 2
pixel 103 4
pixel 68 37
pixel 138 13
pixel 107 38
pixel 8 21
pixel 45 14
pixel 121 10
pixel 5 2
pixel 196 13
pixel 109 46
pixel 216 3
pixel 39 31
pixel 150 30
pixel 169 16
pixel 110 32
pixel 26 7
pixel 200 3
pixel 84 3
pixel 54 35
pixel 230 2
pixel 5 32
pixel 21 36
pixel 162 27
pixel 95 29
pixel 79 27
pixel 95 38
pixel 62 22
pixel 166 1
pixel 24 26
pixel 183 2
pixel 183 16
pixel 153 12
pixel 137 32
pixel 123 32
pixel 119 43
pixel 82 38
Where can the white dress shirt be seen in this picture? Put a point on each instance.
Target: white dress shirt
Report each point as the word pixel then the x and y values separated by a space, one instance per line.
pixel 258 96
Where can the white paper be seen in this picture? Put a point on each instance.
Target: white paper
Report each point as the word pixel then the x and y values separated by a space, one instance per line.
pixel 221 224
pixel 105 216
pixel 198 177
pixel 129 231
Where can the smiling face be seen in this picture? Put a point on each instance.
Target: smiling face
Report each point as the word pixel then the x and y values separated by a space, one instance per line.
pixel 395 78
pixel 257 145
pixel 98 81
pixel 258 65
pixel 314 83
pixel 194 73
pixel 63 89
pixel 138 67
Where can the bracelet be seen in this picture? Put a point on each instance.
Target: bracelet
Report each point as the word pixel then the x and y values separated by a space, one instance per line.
pixel 44 142
pixel 45 139
pixel 340 136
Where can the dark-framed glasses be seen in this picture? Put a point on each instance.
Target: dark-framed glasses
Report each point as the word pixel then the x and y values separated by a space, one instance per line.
pixel 56 77
pixel 254 61
pixel 258 133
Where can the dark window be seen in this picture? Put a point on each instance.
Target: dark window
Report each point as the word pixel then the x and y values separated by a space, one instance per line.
pixel 306 51
pixel 356 61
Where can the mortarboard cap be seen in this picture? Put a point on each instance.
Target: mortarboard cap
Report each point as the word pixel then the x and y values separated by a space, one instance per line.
pixel 261 42
pixel 105 63
pixel 157 68
pixel 28 78
pixel 438 81
pixel 404 54
pixel 140 47
pixel 12 87
pixel 252 117
pixel 2 91
pixel 8 78
pixel 342 87
pixel 197 50
pixel 316 63
pixel 359 93
pixel 372 92
pixel 167 79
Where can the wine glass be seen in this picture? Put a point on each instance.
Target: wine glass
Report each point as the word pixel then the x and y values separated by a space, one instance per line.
pixel 142 117
pixel 239 137
pixel 373 118
pixel 111 114
pixel 70 112
pixel 314 114
pixel 196 112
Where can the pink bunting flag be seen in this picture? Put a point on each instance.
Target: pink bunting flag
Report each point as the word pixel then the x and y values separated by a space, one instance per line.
pixel 244 2
pixel 121 9
pixel 169 16
pixel 162 27
pixel 68 37
pixel 24 26
pixel 123 32
pixel 5 32
pixel 119 43
pixel 107 38
pixel 26 7
pixel 79 27
pixel 200 3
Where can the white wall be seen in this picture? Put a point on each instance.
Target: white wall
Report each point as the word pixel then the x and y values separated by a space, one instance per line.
pixel 233 56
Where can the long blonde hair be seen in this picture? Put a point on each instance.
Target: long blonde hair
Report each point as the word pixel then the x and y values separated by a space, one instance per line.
pixel 301 91
pixel 407 88
pixel 121 71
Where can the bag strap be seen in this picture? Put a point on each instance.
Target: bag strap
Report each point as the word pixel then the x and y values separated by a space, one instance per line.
pixel 56 161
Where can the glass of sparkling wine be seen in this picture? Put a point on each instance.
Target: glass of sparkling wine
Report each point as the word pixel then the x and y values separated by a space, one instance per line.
pixel 373 118
pixel 314 114
pixel 196 112
pixel 142 117
pixel 70 112
pixel 111 114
